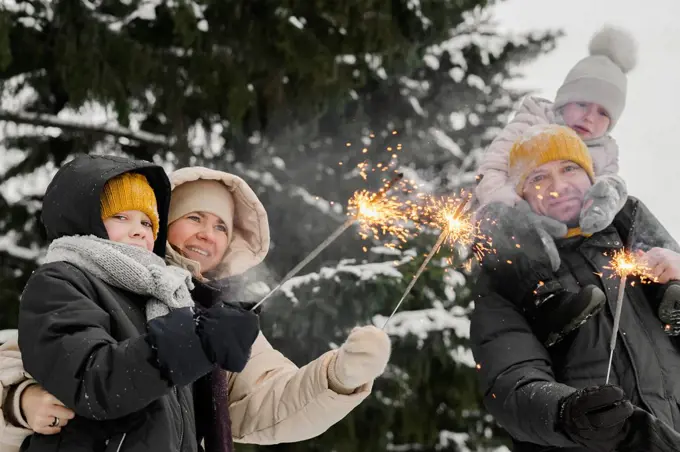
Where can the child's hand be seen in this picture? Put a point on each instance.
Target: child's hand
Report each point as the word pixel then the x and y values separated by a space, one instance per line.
pixel 227 332
pixel 40 410
pixel 600 206
pixel 664 264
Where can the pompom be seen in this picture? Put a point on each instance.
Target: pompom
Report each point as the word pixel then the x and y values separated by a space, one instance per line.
pixel 616 44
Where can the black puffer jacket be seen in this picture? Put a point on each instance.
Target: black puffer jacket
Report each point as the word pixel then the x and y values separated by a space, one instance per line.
pixel 523 382
pixel 85 341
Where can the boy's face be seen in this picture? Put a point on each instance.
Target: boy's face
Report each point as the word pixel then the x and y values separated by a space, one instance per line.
pixel 587 119
pixel 131 227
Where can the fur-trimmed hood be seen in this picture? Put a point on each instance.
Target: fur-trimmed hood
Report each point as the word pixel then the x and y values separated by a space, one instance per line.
pixel 250 237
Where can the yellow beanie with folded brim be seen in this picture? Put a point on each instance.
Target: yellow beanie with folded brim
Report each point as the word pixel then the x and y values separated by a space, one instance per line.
pixel 545 143
pixel 130 191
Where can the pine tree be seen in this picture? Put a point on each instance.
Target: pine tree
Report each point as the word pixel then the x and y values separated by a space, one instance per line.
pixel 437 116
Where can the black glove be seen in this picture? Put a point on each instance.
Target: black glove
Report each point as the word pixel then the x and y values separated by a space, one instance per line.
pixel 179 351
pixel 669 308
pixel 227 332
pixel 596 418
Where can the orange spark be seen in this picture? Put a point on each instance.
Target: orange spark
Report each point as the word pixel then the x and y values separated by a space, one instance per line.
pixel 624 263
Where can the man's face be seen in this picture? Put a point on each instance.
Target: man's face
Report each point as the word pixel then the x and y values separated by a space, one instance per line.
pixel 556 189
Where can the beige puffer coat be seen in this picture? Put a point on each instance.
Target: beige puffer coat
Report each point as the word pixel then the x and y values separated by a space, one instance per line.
pixel 13 379
pixel 494 186
pixel 272 400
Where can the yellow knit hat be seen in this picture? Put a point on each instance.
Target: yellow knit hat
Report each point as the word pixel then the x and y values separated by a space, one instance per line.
pixel 546 143
pixel 130 191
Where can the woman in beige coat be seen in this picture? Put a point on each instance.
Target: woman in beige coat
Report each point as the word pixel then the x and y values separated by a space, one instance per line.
pixel 218 229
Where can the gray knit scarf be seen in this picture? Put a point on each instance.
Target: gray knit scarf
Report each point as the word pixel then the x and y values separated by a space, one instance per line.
pixel 127 267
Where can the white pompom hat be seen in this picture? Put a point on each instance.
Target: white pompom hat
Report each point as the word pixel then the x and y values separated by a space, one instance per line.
pixel 601 77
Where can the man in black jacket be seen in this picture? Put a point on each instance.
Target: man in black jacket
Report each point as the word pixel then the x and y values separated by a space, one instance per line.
pixel 549 394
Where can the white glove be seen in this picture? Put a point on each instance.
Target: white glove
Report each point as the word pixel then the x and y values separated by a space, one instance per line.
pixel 361 359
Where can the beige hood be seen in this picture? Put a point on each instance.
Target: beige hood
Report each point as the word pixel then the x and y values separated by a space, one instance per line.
pixel 250 237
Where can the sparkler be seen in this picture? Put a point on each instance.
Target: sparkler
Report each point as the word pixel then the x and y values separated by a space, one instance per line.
pixel 375 212
pixel 624 264
pixel 448 215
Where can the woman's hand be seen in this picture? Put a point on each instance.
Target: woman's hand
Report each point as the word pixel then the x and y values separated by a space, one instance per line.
pixel 361 359
pixel 44 413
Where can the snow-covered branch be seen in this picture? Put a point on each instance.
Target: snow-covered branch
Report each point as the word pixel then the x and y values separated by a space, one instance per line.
pixel 35 119
pixel 366 271
pixel 9 246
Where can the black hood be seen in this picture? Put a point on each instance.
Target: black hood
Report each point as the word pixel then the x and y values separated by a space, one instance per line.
pixel 71 204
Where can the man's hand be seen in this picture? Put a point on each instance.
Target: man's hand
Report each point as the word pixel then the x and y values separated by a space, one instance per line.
pixel 40 410
pixel 664 264
pixel 596 417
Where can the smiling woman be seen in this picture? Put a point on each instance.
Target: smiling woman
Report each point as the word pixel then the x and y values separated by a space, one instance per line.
pixel 200 236
pixel 216 229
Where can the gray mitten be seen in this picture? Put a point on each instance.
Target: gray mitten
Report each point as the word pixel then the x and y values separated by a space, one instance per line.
pixel 547 229
pixel 607 196
pixel 550 249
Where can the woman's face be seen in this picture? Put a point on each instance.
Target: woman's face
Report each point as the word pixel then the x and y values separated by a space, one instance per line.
pixel 200 236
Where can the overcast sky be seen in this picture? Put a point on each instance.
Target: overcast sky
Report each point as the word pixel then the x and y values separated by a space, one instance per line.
pixel 649 130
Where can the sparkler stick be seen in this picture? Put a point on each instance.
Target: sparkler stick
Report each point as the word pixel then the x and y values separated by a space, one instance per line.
pixel 617 321
pixel 434 250
pixel 450 222
pixel 624 265
pixel 330 239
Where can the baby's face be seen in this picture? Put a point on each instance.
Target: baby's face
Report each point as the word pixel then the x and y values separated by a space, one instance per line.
pixel 587 119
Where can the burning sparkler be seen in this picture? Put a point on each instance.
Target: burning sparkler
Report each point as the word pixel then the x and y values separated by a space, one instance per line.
pixel 624 264
pixel 447 214
pixel 376 214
